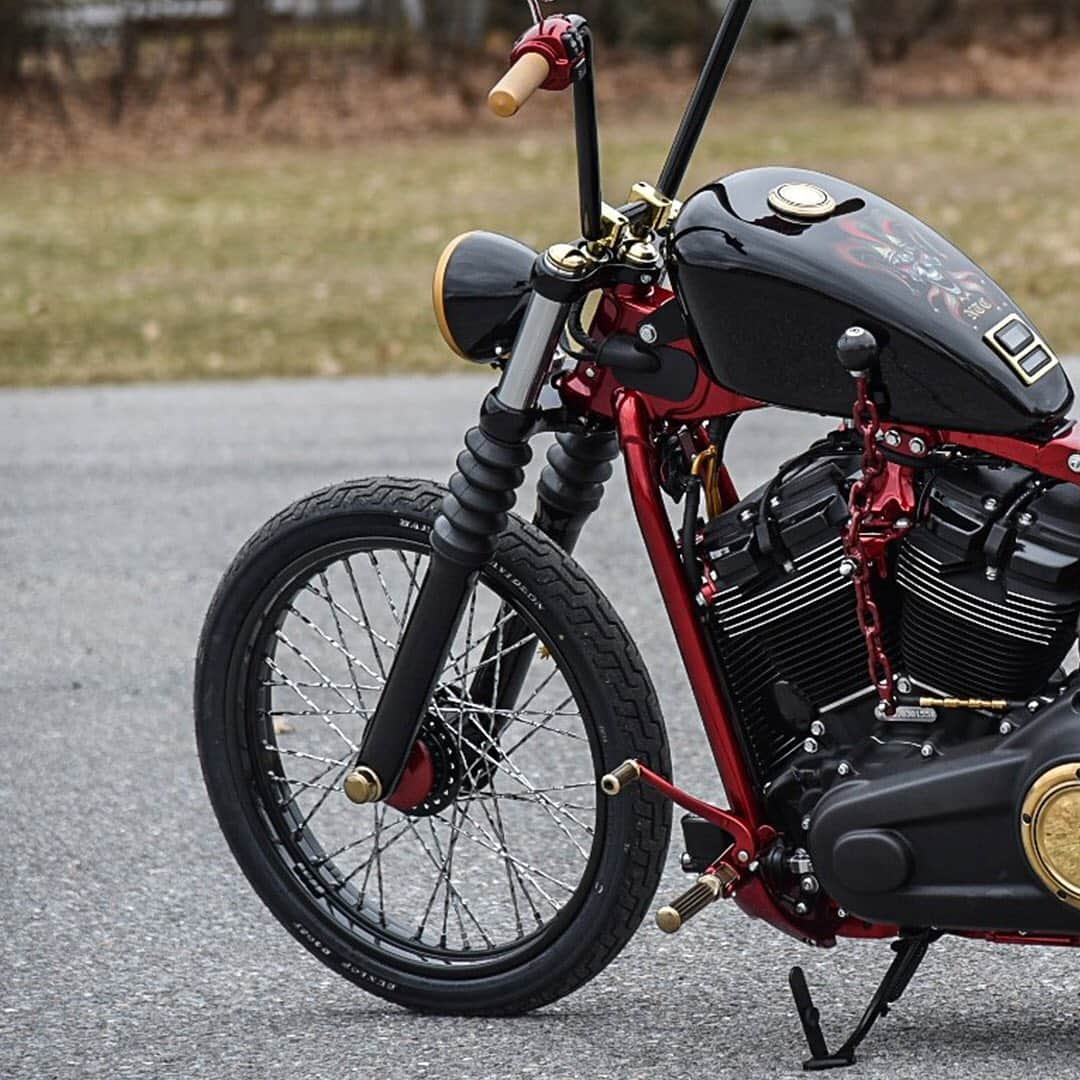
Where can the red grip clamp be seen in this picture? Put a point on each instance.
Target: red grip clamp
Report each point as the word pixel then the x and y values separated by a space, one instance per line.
pixel 559 41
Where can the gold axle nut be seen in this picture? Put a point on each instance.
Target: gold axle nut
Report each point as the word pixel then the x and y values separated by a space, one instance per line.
pixel 627 773
pixel 363 786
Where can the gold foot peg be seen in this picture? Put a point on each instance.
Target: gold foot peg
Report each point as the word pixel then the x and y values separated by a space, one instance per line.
pixel 620 778
pixel 709 888
pixel 363 786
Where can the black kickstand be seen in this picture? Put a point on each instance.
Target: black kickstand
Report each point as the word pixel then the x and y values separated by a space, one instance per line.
pixel 910 951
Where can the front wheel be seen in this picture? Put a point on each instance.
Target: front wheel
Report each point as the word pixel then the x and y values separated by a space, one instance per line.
pixel 512 882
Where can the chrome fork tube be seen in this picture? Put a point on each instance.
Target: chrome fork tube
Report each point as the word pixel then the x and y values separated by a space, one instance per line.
pixel 533 350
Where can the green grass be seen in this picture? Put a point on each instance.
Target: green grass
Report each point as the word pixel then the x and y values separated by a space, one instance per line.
pixel 289 262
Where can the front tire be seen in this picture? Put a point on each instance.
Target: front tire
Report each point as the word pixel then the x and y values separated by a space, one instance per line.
pixel 515 882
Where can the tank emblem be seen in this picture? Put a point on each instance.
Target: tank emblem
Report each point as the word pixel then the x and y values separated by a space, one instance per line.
pixel 925 264
pixel 806 202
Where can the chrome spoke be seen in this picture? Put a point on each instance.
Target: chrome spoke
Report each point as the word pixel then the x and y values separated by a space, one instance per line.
pixel 485 863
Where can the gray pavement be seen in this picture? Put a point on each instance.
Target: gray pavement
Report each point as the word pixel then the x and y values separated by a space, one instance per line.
pixel 130 945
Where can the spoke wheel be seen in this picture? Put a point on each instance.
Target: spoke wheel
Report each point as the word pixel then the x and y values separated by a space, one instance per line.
pixel 511 880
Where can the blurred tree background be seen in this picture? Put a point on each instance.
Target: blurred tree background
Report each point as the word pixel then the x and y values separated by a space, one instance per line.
pixel 116 52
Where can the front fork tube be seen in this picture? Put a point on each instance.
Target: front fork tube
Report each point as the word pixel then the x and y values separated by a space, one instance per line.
pixel 490 470
pixel 569 492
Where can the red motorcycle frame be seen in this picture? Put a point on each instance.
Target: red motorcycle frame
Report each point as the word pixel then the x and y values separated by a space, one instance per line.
pixel 640 419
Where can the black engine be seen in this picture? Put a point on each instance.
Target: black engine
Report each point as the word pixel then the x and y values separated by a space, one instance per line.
pixel 982 601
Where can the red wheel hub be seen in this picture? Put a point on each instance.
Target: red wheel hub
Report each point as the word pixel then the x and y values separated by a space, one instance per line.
pixel 418 780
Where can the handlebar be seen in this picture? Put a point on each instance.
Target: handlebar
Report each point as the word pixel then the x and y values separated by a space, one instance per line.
pixel 514 89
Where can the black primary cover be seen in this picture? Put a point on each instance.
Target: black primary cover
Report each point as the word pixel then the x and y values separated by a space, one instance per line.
pixel 768 296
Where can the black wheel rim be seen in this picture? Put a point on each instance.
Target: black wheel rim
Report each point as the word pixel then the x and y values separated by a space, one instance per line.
pixel 493 878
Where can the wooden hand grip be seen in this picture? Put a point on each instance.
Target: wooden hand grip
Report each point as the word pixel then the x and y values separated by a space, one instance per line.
pixel 519 84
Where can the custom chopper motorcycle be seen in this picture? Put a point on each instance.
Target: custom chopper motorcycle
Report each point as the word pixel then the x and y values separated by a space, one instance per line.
pixel 431 743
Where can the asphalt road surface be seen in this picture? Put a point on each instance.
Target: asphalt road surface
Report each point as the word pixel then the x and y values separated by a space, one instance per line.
pixel 130 944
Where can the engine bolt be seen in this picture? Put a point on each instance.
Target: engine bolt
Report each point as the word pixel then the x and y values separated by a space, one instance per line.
pixel 802 908
pixel 744 857
pixel 805 823
pixel 1034 705
pixel 775 502
pixel 927 750
pixel 810 746
pixel 1005 728
pixel 990 503
pixel 841 913
pixel 992 573
pixel 893 437
pixel 847 568
pixel 903 684
pixel 843 769
pixel 1026 519
pixel 747 516
pixel 918 446
pixel 809 884
pixel 590 373
pixel 1074 463
pixel 903 524
pixel 648 333
pixel 817 729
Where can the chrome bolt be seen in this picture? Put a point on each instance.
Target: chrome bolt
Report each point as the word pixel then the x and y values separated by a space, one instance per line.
pixel 992 573
pixel 775 502
pixel 990 503
pixel 927 750
pixel 841 913
pixel 817 728
pixel 686 862
pixel 903 684
pixel 918 446
pixel 648 333
pixel 1034 705
pixel 1074 463
pixel 810 746
pixel 646 279
pixel 903 524
pixel 802 908
pixel 809 884
pixel 1005 728
pixel 590 373
pixel 843 769
pixel 882 711
pixel 805 823
pixel 1026 519
pixel 747 516
pixel 744 857
pixel 847 568
pixel 893 437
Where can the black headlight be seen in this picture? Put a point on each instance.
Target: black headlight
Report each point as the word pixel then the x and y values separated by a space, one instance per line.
pixel 480 292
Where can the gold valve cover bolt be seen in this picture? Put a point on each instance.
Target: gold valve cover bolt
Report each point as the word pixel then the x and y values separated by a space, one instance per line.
pixel 627 773
pixel 709 888
pixel 363 786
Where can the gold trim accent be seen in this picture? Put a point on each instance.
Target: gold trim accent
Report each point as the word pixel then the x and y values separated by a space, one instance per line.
pixel 1050 830
pixel 663 209
pixel 362 786
pixel 1016 362
pixel 615 781
pixel 802 200
pixel 706 466
pixel 995 705
pixel 438 285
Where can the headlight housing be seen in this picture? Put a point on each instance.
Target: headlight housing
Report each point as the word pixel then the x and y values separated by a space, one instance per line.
pixel 481 289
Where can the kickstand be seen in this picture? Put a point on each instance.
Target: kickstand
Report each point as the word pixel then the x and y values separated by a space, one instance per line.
pixel 910 951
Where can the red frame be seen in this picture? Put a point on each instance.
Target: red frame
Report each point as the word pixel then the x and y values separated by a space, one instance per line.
pixel 640 419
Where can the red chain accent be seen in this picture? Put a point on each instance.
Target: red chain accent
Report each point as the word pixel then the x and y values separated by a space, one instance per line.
pixel 874 466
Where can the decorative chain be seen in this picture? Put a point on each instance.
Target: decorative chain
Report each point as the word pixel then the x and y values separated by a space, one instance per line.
pixel 862 566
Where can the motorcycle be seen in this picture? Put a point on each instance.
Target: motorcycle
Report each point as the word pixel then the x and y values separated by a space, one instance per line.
pixel 432 745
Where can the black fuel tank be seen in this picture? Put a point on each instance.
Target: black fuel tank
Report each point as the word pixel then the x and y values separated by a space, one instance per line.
pixel 769 292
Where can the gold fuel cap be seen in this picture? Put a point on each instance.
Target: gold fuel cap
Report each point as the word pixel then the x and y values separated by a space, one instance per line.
pixel 807 202
pixel 1050 830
